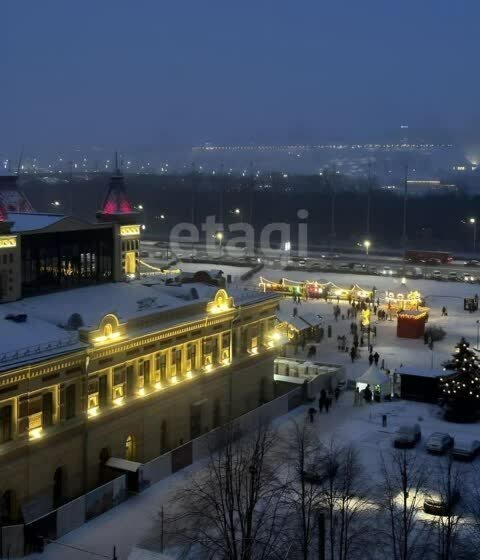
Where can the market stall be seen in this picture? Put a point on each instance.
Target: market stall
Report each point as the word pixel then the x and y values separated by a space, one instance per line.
pixel 411 323
pixel 377 380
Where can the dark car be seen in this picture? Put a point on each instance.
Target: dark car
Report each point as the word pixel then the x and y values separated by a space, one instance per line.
pixel 439 443
pixel 436 504
pixel 407 436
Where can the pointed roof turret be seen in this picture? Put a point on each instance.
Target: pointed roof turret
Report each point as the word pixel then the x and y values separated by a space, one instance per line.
pixel 11 198
pixel 117 206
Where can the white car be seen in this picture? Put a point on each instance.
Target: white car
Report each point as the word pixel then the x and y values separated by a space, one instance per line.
pixel 437 274
pixel 439 442
pixel 466 450
pixel 452 276
pixel 387 271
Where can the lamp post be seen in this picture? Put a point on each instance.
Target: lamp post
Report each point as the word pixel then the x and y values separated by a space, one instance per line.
pixel 219 238
pixel 478 333
pixel 367 244
pixel 473 221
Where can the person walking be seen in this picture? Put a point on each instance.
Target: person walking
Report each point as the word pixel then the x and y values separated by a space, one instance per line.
pixel 353 353
pixel 322 400
pixel 337 393
pixel 376 357
pixel 370 358
pixel 311 414
pixel 328 402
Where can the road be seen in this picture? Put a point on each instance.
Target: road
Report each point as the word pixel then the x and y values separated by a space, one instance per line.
pixel 276 260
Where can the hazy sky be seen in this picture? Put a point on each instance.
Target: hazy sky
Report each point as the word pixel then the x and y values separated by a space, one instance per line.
pixel 149 72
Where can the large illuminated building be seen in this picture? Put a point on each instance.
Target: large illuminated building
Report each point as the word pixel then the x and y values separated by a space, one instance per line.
pixel 120 366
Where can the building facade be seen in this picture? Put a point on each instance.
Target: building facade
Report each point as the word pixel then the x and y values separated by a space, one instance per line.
pixel 131 388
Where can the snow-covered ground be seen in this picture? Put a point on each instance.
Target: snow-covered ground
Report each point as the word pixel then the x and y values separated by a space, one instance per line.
pixel 393 350
pixel 131 522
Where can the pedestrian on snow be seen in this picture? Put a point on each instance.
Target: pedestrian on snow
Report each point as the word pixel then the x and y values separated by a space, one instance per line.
pixel 322 400
pixel 376 357
pixel 370 359
pixel 444 311
pixel 295 311
pixel 367 394
pixel 353 353
pixel 311 414
pixel 383 364
pixel 361 340
pixel 328 402
pixel 337 393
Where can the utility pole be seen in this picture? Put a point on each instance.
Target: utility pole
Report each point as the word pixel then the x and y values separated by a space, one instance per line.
pixel 251 191
pixel 162 530
pixel 331 182
pixel 405 199
pixel 221 186
pixel 369 198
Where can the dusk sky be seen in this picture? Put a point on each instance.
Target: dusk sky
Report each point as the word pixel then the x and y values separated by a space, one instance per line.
pixel 155 72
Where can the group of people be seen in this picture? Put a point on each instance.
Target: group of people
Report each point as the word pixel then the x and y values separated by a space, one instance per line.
pixel 325 401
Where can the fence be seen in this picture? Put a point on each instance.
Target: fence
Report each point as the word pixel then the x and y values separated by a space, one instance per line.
pixel 199 448
pixel 64 519
pixel 17 539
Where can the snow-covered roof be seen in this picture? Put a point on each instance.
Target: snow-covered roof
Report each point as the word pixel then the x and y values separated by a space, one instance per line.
pixel 44 331
pixel 374 376
pixel 33 221
pixel 420 372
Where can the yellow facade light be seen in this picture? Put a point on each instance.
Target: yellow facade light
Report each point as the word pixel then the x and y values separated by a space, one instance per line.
pixel 92 412
pixel 120 401
pixel 141 392
pixel 36 433
pixel 8 242
pixel 129 231
pixel 158 386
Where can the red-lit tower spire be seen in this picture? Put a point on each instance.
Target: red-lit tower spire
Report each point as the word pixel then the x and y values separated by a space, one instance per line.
pixel 117 206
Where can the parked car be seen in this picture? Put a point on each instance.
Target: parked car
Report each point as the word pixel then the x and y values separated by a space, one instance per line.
pixel 439 442
pixel 437 504
pixel 466 450
pixel 453 276
pixel 344 266
pixel 472 263
pixel 387 271
pixel 358 267
pixel 437 275
pixel 407 436
pixel 468 278
pixel 415 272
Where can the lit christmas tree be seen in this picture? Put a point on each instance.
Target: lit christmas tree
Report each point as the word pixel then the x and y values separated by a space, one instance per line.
pixel 461 389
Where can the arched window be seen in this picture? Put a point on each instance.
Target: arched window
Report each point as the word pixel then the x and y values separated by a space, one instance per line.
pixel 7 506
pixel 130 448
pixel 217 414
pixel 164 447
pixel 58 487
pixel 263 391
pixel 107 330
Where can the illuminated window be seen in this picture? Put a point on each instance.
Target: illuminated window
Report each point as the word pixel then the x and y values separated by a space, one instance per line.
pixel 107 330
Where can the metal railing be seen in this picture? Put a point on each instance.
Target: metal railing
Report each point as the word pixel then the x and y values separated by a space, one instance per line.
pixel 37 349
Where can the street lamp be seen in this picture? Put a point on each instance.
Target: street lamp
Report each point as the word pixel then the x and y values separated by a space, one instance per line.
pixel 56 203
pixel 367 245
pixel 473 221
pixel 219 238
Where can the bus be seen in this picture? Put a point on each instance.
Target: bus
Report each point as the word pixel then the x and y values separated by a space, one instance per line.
pixel 428 257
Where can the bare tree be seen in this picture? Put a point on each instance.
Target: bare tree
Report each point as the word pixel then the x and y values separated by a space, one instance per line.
pixel 344 499
pixel 301 452
pixel 234 507
pixel 404 481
